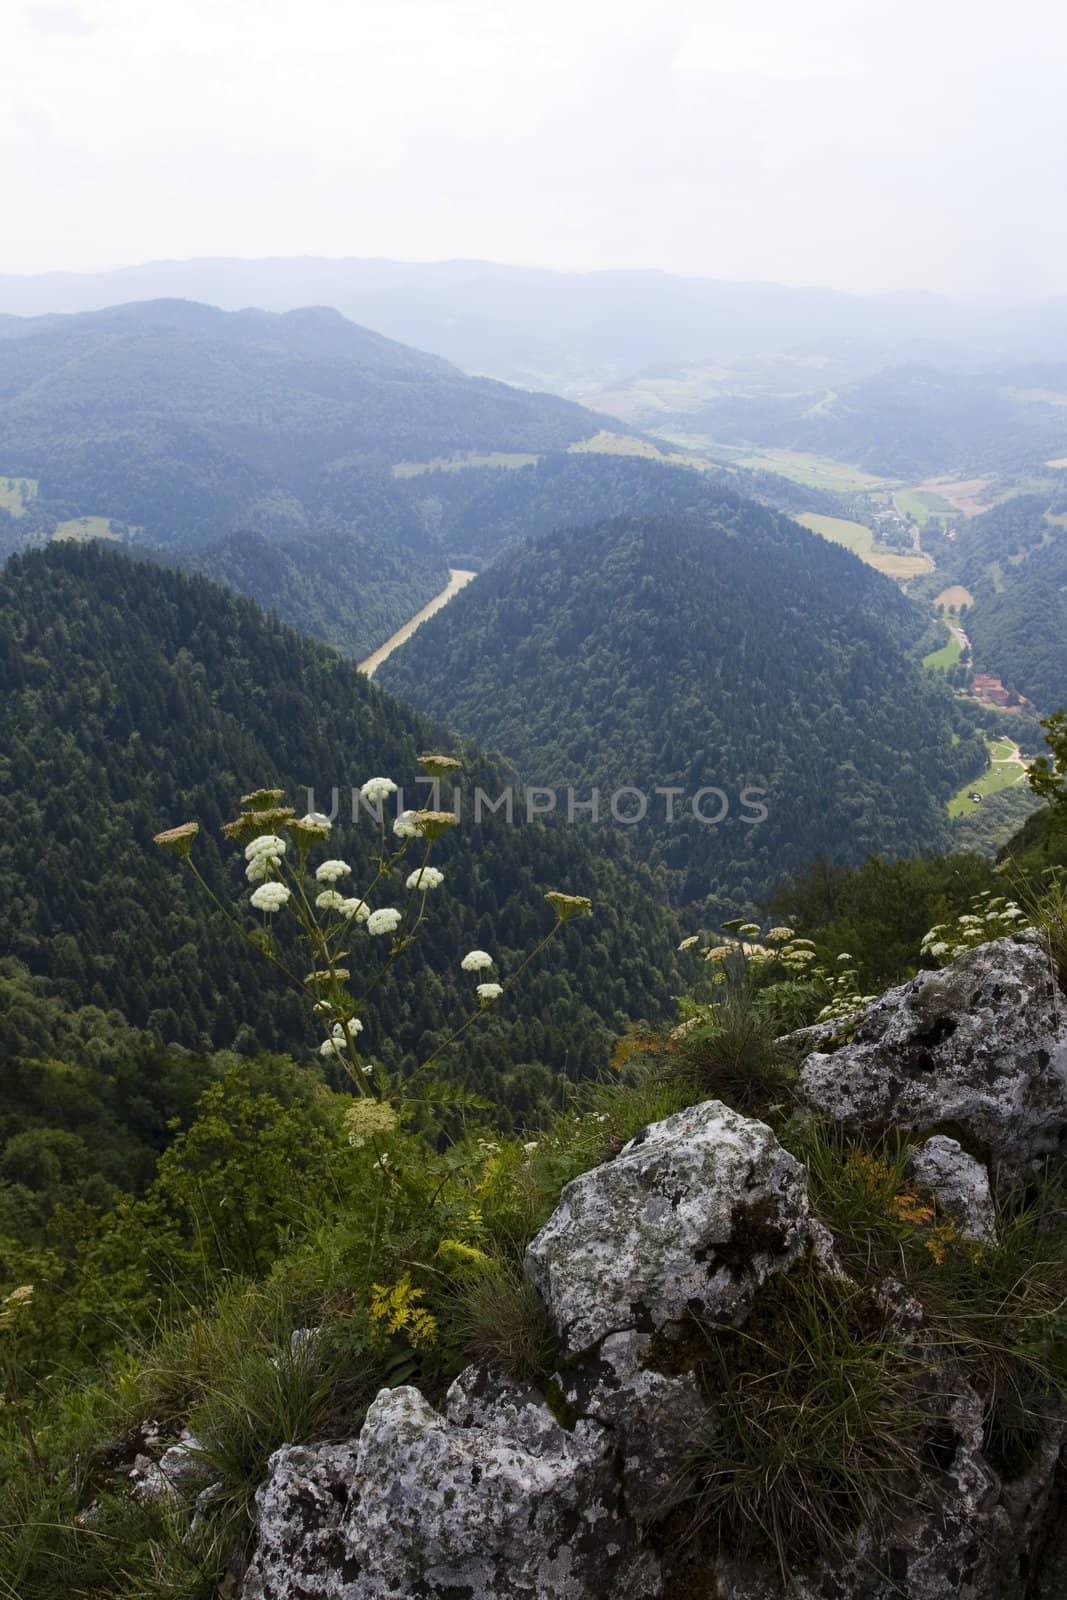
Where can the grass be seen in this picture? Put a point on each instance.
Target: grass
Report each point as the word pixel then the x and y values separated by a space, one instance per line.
pixel 858 538
pixel 79 529
pixel 811 1429
pixel 954 597
pixel 1002 773
pixel 922 505
pixel 16 494
pixel 733 1055
pixel 815 472
pixel 948 655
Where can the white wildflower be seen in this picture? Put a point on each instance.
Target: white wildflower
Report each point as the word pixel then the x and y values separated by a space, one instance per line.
pixel 687 944
pixel 270 897
pixel 267 844
pixel 330 900
pixel 359 909
pixel 384 921
pixel 488 992
pixel 330 871
pixel 476 961
pixel 779 935
pixel 405 826
pixel 426 878
pixel 377 789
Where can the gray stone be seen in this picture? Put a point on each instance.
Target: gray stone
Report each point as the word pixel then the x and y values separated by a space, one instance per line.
pixel 981 1045
pixel 180 1473
pixel 942 1170
pixel 510 1506
pixel 299 1511
pixel 693 1214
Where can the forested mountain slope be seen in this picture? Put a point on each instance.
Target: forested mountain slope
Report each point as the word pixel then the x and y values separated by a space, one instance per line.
pixel 178 426
pixel 132 697
pixel 1013 559
pixel 719 647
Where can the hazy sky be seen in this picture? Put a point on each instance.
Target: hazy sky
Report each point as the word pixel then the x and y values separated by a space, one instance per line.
pixel 859 143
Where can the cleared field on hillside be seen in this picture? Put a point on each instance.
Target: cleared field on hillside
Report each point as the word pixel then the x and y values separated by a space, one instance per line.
pixel 858 538
pixel 81 528
pixel 816 472
pixel 16 494
pixel 1001 773
pixel 922 504
pixel 962 494
pixel 955 595
pixel 947 656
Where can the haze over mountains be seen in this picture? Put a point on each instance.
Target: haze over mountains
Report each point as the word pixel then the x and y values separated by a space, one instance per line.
pixel 568 330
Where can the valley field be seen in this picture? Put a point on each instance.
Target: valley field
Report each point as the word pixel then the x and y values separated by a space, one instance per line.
pixel 858 538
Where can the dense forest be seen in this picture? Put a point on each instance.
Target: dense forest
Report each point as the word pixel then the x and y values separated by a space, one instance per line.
pixel 133 697
pixel 187 429
pixel 722 646
pixel 1013 559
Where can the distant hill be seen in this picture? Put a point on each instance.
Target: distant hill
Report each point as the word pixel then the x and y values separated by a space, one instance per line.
pixel 177 426
pixel 902 420
pixel 133 697
pixel 562 329
pixel 718 646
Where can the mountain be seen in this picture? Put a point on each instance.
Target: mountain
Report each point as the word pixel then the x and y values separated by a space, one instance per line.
pixel 133 697
pixel 564 329
pixel 902 419
pixel 1013 561
pixel 720 647
pixel 176 426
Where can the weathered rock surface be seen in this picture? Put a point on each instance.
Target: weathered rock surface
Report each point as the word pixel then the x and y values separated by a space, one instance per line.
pixel 942 1170
pixel 490 1500
pixel 693 1214
pixel 981 1045
pixel 300 1551
pixel 500 1495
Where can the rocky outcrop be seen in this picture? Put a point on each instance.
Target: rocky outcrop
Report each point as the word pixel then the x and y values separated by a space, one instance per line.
pixel 694 1213
pixel 980 1046
pixel 502 1492
pixel 943 1172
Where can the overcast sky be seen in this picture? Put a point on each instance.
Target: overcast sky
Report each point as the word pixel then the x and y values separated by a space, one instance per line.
pixel 858 143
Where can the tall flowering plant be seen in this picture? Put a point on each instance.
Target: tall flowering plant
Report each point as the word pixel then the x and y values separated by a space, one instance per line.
pixel 340 925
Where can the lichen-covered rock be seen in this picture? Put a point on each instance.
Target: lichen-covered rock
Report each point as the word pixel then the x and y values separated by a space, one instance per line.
pixel 180 1473
pixel 499 1504
pixel 693 1214
pixel 942 1170
pixel 981 1044
pixel 299 1512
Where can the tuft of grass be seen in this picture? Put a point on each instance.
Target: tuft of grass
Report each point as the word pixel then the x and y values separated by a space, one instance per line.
pixel 811 1425
pixel 499 1317
pixel 734 1055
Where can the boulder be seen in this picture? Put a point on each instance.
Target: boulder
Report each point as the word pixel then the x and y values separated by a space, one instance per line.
pixel 692 1215
pixel 958 1184
pixel 299 1510
pixel 980 1046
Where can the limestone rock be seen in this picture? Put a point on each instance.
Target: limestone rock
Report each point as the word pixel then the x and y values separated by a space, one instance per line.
pixel 509 1505
pixel 981 1045
pixel 299 1510
pixel 959 1184
pixel 693 1214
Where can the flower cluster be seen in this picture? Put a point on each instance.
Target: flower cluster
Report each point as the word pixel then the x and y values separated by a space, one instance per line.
pixel 366 1120
pixel 329 919
pixel 992 917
